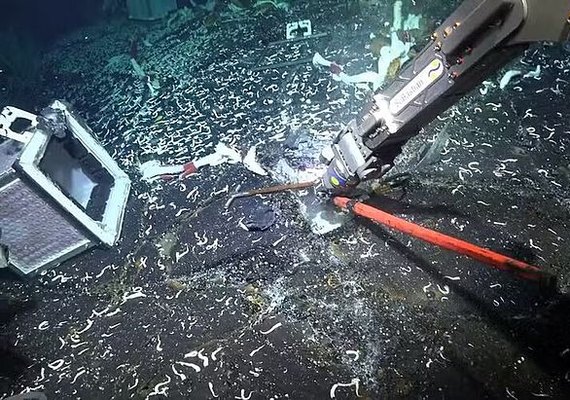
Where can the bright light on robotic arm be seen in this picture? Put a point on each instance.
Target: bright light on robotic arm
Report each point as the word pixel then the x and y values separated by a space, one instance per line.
pixel 480 37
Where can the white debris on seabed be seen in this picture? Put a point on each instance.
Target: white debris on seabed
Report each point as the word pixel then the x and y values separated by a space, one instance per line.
pixel 355 382
pixel 251 163
pixel 507 77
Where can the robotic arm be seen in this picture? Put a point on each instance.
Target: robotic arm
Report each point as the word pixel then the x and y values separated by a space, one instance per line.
pixel 480 37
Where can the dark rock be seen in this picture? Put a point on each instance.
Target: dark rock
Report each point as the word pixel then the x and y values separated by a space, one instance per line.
pixel 295 138
pixel 261 220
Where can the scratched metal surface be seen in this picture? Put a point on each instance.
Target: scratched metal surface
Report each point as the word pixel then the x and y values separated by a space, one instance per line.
pixel 189 305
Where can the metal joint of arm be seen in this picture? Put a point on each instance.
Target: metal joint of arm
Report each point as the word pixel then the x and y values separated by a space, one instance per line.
pixel 480 37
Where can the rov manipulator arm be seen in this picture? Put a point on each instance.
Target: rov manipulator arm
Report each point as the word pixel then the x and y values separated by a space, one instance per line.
pixel 480 37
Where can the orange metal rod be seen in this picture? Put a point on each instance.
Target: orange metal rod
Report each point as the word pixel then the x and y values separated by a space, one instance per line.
pixel 486 256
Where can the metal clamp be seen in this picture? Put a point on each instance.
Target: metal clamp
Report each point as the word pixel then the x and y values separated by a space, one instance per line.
pixel 299 29
pixel 9 116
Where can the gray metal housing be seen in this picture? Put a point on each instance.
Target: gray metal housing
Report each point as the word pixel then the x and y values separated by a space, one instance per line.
pixel 42 225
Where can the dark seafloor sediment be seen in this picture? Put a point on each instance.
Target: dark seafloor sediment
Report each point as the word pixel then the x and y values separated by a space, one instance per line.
pixel 284 313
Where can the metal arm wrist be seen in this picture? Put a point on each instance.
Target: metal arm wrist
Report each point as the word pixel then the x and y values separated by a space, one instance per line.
pixel 480 37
